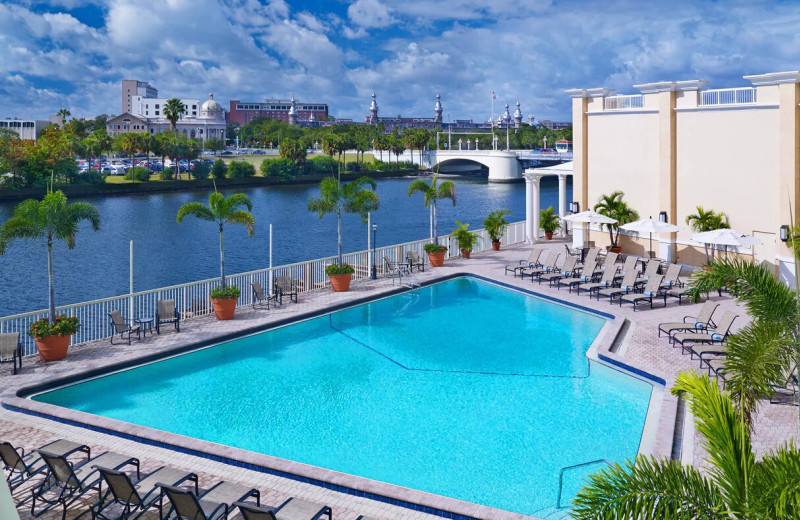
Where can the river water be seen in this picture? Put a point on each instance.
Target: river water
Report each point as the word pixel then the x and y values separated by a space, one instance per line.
pixel 168 253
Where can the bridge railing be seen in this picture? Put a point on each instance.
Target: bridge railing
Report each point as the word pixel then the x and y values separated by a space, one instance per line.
pixel 193 299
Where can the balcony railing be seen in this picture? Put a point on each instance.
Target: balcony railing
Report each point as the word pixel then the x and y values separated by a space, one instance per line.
pixel 624 102
pixel 728 96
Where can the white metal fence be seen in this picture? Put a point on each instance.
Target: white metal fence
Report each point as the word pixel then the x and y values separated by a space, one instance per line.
pixel 193 299
pixel 623 102
pixel 728 96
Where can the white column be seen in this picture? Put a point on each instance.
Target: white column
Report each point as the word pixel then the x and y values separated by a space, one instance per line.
pixel 562 200
pixel 528 208
pixel 537 206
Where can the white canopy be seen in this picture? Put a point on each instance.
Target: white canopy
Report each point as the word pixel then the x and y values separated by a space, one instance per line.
pixel 726 237
pixel 590 216
pixel 649 225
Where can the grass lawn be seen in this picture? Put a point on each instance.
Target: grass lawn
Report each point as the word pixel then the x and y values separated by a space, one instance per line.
pixel 120 179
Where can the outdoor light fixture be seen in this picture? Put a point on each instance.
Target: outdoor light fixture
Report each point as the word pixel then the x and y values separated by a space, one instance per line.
pixel 574 207
pixel 374 275
pixel 784 233
pixel 662 217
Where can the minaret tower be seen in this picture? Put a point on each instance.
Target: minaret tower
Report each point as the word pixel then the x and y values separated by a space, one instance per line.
pixel 506 116
pixel 293 113
pixel 373 111
pixel 437 110
pixel 517 116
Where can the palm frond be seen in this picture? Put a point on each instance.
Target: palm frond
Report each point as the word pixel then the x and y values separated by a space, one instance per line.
pixel 321 206
pixel 775 488
pixel 21 227
pixel 362 203
pixel 196 209
pixel 420 186
pixel 238 201
pixel 243 218
pixel 726 436
pixel 447 190
pixel 649 489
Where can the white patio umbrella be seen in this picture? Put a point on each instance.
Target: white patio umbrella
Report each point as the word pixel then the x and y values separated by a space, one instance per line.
pixel 726 237
pixel 590 217
pixel 651 226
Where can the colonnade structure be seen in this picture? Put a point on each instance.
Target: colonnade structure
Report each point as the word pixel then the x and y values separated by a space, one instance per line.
pixel 533 177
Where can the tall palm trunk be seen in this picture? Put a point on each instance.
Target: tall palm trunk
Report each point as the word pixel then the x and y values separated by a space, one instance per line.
pixel 435 225
pixel 339 232
pixel 221 257
pixel 51 295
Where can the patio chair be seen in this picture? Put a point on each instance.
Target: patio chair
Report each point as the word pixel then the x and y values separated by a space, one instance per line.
pixel 610 261
pixel 590 261
pixel 710 337
pixel 167 313
pixel 628 265
pixel 547 266
pixel 532 261
pixel 607 280
pixel 651 290
pixel 414 259
pixel 11 349
pixel 135 498
pixel 691 323
pixel 120 326
pixel 285 286
pixel 395 270
pixel 292 509
pixel 651 269
pixel 21 467
pixel 259 297
pixel 625 287
pixel 577 279
pixel 214 504
pixel 65 483
pixel 788 389
pixel 567 270
pixel 672 277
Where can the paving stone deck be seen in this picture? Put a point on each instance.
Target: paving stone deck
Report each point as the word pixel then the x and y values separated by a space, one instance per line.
pixel 640 348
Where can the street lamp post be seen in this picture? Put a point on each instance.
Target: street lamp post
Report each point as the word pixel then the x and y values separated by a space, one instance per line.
pixel 374 275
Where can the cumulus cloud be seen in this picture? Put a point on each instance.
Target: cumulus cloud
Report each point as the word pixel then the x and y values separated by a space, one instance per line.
pixel 369 14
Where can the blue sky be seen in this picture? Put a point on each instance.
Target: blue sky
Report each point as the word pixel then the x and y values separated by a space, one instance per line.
pixel 73 53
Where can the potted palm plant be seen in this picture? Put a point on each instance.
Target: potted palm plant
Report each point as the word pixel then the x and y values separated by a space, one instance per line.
pixel 354 197
pixel 613 206
pixel 433 192
pixel 52 219
pixel 466 239
pixel 549 221
pixel 495 225
pixel 221 211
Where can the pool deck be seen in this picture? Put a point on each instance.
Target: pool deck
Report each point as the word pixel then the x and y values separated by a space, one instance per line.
pixel 636 346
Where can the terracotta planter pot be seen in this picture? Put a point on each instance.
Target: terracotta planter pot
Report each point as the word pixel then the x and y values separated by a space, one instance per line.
pixel 341 282
pixel 224 309
pixel 52 348
pixel 466 252
pixel 496 245
pixel 436 259
pixel 548 235
pixel 614 249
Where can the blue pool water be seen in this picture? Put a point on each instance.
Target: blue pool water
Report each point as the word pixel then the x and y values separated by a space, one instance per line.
pixel 467 390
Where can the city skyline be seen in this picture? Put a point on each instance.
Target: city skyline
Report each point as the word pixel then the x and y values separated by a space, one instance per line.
pixel 73 53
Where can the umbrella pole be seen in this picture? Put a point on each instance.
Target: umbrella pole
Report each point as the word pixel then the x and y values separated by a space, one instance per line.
pixel 651 244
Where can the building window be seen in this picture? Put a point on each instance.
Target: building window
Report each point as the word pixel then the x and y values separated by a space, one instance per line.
pixel 157 105
pixel 156 112
pixel 194 107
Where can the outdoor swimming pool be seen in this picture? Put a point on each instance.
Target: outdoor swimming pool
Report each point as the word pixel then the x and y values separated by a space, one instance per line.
pixel 467 390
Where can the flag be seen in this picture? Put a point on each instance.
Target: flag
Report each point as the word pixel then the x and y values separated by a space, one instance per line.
pixel 494 96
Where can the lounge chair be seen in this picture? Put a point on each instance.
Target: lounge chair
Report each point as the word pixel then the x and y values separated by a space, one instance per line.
pixel 652 289
pixel 547 266
pixel 567 270
pixel 214 504
pixel 577 279
pixel 259 297
pixel 610 261
pixel 691 323
pixel 672 277
pixel 532 261
pixel 627 285
pixel 285 286
pixel 415 260
pixel 788 389
pixel 395 270
pixel 135 498
pixel 120 326
pixel 65 483
pixel 607 280
pixel 651 269
pixel 628 265
pixel 292 509
pixel 11 349
pixel 167 313
pixel 21 467
pixel 710 337
pixel 589 263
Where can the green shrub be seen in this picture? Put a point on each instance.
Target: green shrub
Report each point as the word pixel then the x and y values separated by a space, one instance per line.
pixel 225 293
pixel 435 248
pixel 280 168
pixel 91 176
pixel 219 169
pixel 168 174
pixel 62 326
pixel 140 174
pixel 201 170
pixel 339 269
pixel 321 165
pixel 240 170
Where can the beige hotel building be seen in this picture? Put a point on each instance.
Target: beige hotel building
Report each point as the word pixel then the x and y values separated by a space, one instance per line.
pixel 677 145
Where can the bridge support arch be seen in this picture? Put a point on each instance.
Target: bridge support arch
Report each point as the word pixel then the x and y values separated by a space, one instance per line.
pixel 503 165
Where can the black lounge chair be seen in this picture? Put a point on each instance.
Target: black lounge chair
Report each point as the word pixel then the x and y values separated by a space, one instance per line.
pixel 259 297
pixel 414 259
pixel 292 509
pixel 577 279
pixel 651 290
pixel 547 265
pixel 567 270
pixel 395 270
pixel 21 467
pixel 607 280
pixel 11 349
pixel 65 483
pixel 786 391
pixel 135 499
pixel 709 337
pixel 691 323
pixel 627 286
pixel 533 261
pixel 214 504
pixel 120 326
pixel 167 313
pixel 628 265
pixel 285 286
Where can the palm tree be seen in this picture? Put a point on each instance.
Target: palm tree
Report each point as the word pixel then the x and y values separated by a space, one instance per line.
pixel 710 220
pixel 222 211
pixel 614 207
pixel 50 218
pixel 432 192
pixel 63 114
pixel 735 486
pixel 338 198
pixel 173 110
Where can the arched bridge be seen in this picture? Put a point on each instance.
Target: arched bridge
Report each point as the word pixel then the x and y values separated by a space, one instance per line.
pixel 503 165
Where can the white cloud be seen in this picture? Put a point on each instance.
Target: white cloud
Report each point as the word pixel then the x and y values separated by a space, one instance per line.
pixel 369 14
